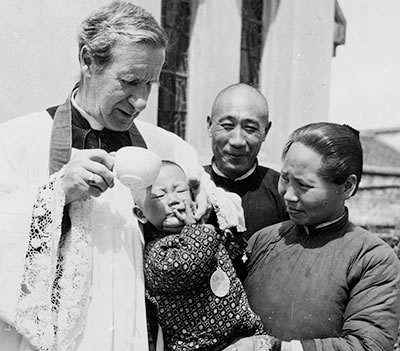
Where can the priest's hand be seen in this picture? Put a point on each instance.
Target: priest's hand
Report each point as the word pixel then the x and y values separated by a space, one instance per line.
pixel 89 173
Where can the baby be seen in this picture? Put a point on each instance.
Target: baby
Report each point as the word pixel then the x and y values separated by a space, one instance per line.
pixel 189 277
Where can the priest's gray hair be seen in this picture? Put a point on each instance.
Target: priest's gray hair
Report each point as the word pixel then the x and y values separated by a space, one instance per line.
pixel 118 22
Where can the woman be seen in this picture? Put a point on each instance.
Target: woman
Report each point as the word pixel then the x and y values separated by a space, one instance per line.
pixel 318 281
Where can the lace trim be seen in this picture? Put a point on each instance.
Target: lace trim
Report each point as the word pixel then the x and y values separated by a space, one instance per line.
pixel 74 283
pixel 227 207
pixel 55 289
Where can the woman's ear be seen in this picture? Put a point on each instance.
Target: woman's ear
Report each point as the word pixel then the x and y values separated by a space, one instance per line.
pixel 350 186
pixel 138 213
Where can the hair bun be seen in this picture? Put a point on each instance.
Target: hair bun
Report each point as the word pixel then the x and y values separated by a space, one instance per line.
pixel 355 131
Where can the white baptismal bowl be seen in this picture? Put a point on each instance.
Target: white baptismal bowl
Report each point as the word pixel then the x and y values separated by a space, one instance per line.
pixel 136 167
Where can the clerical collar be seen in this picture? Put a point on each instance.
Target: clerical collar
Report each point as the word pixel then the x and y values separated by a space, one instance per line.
pixel 94 124
pixel 325 224
pixel 243 176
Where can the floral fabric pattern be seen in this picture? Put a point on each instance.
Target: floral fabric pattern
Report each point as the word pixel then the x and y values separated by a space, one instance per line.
pixel 177 271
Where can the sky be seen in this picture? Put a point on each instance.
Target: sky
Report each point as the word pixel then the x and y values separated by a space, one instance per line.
pixel 365 76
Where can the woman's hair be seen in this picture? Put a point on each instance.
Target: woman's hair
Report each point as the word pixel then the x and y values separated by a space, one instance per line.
pixel 118 22
pixel 339 146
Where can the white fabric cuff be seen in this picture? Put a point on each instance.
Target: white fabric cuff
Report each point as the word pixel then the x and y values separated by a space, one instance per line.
pixel 296 345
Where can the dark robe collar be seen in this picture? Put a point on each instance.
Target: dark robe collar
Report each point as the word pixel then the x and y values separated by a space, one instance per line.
pixel 335 227
pixel 220 174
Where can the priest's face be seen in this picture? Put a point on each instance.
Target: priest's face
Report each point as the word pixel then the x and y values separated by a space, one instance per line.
pixel 117 93
pixel 310 199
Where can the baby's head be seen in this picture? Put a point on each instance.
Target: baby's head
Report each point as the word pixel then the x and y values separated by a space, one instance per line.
pixel 165 200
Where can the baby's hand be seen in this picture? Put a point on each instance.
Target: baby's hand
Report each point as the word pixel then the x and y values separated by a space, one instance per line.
pixel 186 216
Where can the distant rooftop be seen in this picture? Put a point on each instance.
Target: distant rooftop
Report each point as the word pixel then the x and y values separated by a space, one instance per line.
pixel 377 131
pixel 381 149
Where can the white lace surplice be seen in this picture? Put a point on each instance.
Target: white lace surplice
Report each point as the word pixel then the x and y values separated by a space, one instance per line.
pixel 100 280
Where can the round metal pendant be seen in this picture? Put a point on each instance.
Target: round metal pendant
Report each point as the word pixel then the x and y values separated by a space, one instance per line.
pixel 219 283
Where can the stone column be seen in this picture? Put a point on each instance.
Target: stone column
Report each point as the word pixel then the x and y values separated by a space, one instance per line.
pixel 295 68
pixel 214 62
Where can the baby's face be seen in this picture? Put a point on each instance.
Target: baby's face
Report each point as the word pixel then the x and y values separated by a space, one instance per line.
pixel 168 193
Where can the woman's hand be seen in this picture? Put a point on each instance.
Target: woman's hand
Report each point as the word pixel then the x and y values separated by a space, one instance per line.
pixel 259 343
pixel 87 174
pixel 244 344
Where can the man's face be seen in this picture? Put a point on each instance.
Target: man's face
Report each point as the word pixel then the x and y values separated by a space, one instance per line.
pixel 237 128
pixel 170 192
pixel 116 95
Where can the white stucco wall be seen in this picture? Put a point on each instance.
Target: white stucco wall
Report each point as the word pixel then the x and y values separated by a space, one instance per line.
pixel 40 61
